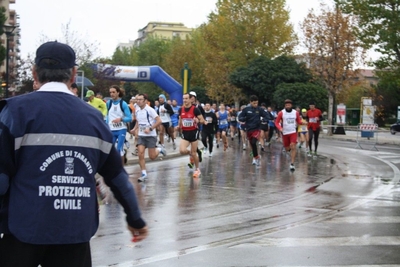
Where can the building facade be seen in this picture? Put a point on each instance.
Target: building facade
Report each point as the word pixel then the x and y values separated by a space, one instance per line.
pixel 14 42
pixel 163 30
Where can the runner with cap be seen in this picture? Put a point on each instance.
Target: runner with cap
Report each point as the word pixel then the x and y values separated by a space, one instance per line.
pixel 286 122
pixel 96 103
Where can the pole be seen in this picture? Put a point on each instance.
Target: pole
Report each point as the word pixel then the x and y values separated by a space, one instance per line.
pixel 7 63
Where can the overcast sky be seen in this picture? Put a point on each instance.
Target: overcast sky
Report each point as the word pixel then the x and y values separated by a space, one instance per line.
pixel 115 21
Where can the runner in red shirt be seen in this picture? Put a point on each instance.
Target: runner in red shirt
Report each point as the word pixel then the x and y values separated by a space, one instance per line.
pixel 314 123
pixel 189 115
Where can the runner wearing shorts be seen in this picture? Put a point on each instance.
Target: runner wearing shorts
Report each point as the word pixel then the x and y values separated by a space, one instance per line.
pixel 289 119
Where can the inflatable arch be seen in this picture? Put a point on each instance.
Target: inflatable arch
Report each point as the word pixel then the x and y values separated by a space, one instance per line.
pixel 153 74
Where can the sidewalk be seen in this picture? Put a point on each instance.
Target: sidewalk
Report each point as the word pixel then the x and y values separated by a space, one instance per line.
pixel 380 137
pixel 171 153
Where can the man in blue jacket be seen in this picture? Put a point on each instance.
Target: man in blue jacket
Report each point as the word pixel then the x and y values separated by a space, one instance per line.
pixel 251 115
pixel 52 144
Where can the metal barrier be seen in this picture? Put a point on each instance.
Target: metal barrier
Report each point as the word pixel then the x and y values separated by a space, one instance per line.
pixel 367 134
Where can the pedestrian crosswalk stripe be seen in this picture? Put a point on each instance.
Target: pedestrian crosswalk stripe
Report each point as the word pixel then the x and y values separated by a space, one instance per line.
pixel 365 219
pixel 326 241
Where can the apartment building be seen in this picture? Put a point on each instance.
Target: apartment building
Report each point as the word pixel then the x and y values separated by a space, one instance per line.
pixel 163 30
pixel 14 41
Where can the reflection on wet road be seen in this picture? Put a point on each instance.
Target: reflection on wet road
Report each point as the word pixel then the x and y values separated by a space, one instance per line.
pixel 233 201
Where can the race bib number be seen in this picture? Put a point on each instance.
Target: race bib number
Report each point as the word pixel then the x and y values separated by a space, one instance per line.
pixel 303 128
pixel 116 124
pixel 290 121
pixel 223 122
pixel 187 122
pixel 313 120
pixel 142 128
pixel 209 120
pixel 233 118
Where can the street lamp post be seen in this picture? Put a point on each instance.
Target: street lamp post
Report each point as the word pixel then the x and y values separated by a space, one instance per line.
pixel 8 30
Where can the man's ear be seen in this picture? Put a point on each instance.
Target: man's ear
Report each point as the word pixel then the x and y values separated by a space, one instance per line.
pixel 73 76
pixel 34 75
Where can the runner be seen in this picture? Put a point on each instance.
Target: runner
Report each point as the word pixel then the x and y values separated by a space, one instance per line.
pixel 303 131
pixel 175 116
pixel 242 129
pixel 210 129
pixel 233 122
pixel 314 120
pixel 263 129
pixel 188 116
pixel 271 125
pixel 251 115
pixel 222 116
pixel 288 118
pixel 146 122
pixel 117 118
pixel 165 112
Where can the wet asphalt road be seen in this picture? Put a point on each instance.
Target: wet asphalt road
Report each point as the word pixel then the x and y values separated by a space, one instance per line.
pixel 339 209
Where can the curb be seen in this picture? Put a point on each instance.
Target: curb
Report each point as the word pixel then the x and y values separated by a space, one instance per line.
pixel 133 161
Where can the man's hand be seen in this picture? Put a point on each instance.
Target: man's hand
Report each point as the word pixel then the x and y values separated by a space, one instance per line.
pixel 139 234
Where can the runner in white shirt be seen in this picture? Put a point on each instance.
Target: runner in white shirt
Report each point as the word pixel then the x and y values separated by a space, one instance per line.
pixel 289 119
pixel 147 120
pixel 165 111
pixel 118 115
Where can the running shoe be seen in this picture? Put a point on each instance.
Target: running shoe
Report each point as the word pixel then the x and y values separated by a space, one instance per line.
pixel 292 168
pixel 169 139
pixel 244 146
pixel 163 151
pixel 254 161
pixel 309 154
pixel 200 154
pixel 142 177
pixel 127 144
pixel 217 145
pixel 258 161
pixel 191 163
pixel 315 155
pixel 196 173
pixel 210 155
pixel 174 145
pixel 262 149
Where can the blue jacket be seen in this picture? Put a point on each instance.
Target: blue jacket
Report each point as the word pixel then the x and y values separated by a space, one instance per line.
pixel 52 144
pixel 252 117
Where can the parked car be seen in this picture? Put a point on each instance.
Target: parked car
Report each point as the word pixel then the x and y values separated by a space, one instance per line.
pixel 394 128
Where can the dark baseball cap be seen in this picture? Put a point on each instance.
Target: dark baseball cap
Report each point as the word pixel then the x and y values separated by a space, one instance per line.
pixel 62 56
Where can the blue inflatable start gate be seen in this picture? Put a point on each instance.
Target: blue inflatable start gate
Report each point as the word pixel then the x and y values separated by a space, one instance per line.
pixel 153 74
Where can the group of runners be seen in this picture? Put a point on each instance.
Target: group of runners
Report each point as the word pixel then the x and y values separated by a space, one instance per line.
pixel 254 125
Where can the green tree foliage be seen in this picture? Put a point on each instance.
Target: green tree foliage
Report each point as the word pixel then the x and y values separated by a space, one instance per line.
pixel 388 92
pixel 333 49
pixel 3 20
pixel 238 32
pixel 191 51
pixel 263 75
pixel 378 27
pixel 301 94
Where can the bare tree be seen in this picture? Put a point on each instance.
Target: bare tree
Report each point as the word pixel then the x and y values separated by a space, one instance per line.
pixel 333 50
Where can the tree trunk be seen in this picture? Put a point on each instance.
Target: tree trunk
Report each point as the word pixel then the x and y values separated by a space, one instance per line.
pixel 330 114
